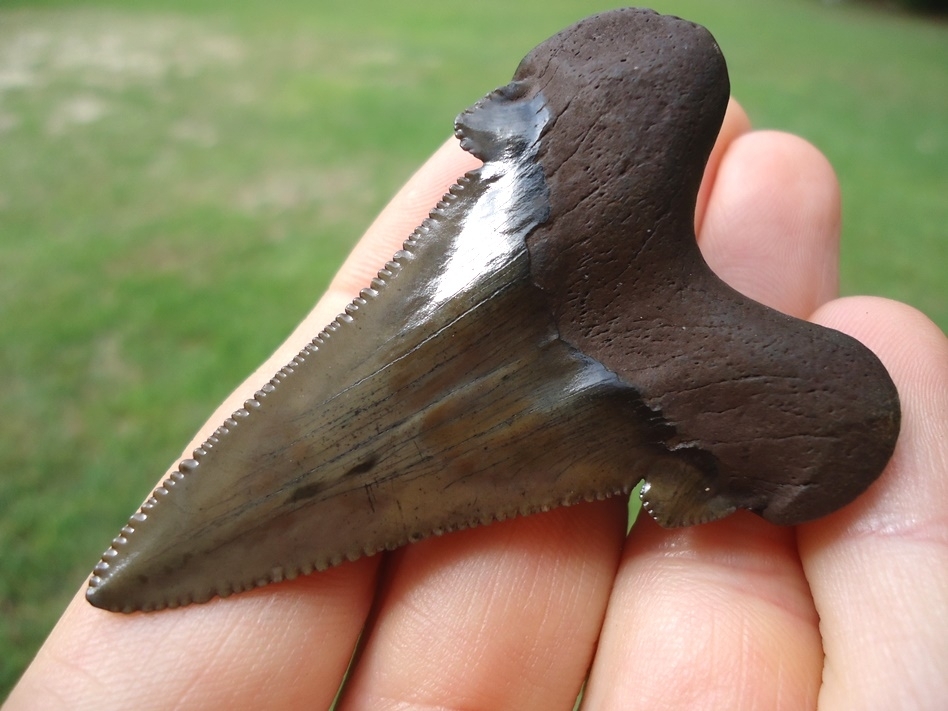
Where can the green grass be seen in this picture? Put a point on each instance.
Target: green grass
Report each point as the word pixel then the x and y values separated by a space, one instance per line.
pixel 178 180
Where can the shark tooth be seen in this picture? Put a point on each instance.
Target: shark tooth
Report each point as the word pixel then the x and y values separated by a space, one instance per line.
pixel 550 334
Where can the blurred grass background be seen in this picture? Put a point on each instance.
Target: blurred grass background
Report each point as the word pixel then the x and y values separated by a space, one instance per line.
pixel 179 180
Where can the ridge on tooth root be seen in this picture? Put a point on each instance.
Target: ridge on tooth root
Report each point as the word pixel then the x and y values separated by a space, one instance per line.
pixel 549 335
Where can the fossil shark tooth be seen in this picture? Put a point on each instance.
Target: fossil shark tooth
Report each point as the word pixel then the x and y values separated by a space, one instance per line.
pixel 549 334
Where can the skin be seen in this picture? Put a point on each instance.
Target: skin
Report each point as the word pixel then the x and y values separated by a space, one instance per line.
pixel 846 612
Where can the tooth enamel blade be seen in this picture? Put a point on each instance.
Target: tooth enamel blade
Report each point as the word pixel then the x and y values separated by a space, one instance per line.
pixel 441 399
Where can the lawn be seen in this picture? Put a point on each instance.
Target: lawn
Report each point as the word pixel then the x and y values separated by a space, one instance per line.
pixel 179 180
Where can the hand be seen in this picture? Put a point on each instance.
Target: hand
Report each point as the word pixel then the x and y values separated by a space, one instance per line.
pixel 847 612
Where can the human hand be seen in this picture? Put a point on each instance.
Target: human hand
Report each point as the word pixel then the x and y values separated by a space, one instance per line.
pixel 850 611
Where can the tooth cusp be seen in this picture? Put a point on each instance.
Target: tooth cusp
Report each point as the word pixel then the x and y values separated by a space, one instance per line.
pixel 186 466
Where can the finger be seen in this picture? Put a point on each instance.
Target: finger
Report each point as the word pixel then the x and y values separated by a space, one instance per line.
pixel 879 568
pixel 771 229
pixel 736 124
pixel 256 649
pixel 712 617
pixel 252 651
pixel 503 617
pixel 720 616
